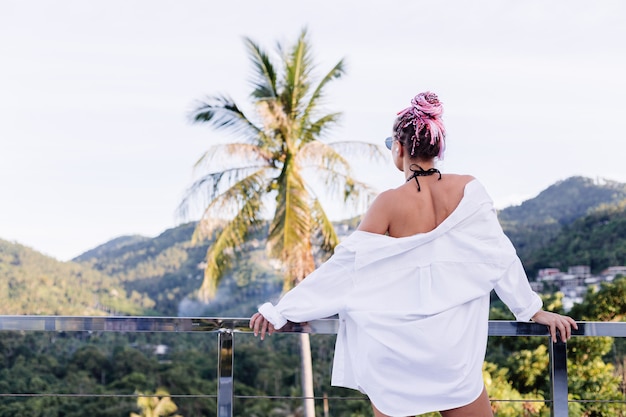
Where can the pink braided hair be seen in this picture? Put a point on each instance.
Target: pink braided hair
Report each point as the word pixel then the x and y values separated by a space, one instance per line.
pixel 425 110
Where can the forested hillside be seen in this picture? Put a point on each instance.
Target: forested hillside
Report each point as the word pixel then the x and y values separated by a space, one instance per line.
pixel 169 269
pixel 565 201
pixel 597 240
pixel 534 225
pixel 33 283
pixel 164 268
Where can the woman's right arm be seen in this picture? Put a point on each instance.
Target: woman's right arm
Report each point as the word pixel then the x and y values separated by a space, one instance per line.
pixel 556 321
pixel 515 291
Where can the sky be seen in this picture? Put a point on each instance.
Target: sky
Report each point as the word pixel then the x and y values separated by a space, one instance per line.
pixel 95 96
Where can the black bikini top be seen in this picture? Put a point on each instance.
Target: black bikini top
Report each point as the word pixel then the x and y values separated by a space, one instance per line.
pixel 421 172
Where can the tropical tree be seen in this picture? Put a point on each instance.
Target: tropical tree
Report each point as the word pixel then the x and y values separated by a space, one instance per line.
pixel 266 170
pixel 605 303
pixel 158 405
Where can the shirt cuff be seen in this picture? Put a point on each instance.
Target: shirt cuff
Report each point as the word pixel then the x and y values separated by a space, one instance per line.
pixel 272 315
pixel 530 311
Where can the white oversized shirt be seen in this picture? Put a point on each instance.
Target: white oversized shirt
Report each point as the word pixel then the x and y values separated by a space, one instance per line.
pixel 414 311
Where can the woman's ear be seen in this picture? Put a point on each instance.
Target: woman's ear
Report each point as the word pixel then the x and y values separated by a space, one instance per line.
pixel 399 150
pixel 398 156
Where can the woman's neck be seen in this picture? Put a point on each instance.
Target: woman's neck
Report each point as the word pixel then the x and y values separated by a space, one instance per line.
pixel 409 166
pixel 419 171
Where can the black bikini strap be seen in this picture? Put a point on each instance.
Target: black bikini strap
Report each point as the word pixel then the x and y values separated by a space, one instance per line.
pixel 421 172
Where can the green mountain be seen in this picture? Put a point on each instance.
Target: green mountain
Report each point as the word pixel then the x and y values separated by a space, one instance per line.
pixel 169 269
pixel 565 201
pixel 536 222
pixel 597 240
pixel 33 283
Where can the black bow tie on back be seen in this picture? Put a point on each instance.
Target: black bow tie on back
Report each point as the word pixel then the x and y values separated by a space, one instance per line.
pixel 421 172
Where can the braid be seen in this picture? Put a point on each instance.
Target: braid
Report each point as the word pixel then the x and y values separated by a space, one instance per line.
pixel 421 124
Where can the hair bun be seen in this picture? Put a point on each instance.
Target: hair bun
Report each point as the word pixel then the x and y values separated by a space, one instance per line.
pixel 424 113
pixel 428 104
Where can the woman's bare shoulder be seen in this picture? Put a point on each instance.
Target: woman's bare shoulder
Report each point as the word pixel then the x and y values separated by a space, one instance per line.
pixel 453 188
pixel 458 179
pixel 377 217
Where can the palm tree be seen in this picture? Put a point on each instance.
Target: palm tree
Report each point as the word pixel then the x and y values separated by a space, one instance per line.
pixel 275 152
pixel 158 405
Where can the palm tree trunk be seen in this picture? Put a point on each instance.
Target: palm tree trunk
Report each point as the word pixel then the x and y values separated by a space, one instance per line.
pixel 307 375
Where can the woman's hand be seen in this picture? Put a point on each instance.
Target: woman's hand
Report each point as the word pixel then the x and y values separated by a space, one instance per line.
pixel 556 321
pixel 260 324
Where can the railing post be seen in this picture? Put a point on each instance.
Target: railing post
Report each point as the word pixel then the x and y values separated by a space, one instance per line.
pixel 558 379
pixel 225 382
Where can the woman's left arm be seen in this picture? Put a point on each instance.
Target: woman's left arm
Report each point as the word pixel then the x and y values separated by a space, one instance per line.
pixel 319 295
pixel 261 325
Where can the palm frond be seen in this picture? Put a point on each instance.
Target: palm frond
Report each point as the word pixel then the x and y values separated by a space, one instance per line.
pixel 318 93
pixel 219 257
pixel 298 66
pixel 357 194
pixel 360 149
pixel 233 152
pixel 291 228
pixel 318 154
pixel 233 235
pixel 318 127
pixel 207 190
pixel 326 231
pixel 264 80
pixel 223 113
pixel 335 172
pixel 229 204
pixel 276 124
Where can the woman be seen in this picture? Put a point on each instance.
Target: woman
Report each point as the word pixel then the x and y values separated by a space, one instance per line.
pixel 411 286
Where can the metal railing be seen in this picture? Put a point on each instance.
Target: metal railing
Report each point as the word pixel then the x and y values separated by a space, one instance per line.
pixel 226 328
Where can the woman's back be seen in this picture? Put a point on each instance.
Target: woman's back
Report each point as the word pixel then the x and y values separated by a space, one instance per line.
pixel 405 211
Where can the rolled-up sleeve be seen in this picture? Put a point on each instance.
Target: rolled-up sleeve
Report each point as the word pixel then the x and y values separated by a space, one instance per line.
pixel 321 294
pixel 514 290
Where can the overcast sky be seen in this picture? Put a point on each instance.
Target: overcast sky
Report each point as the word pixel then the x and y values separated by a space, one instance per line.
pixel 95 140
